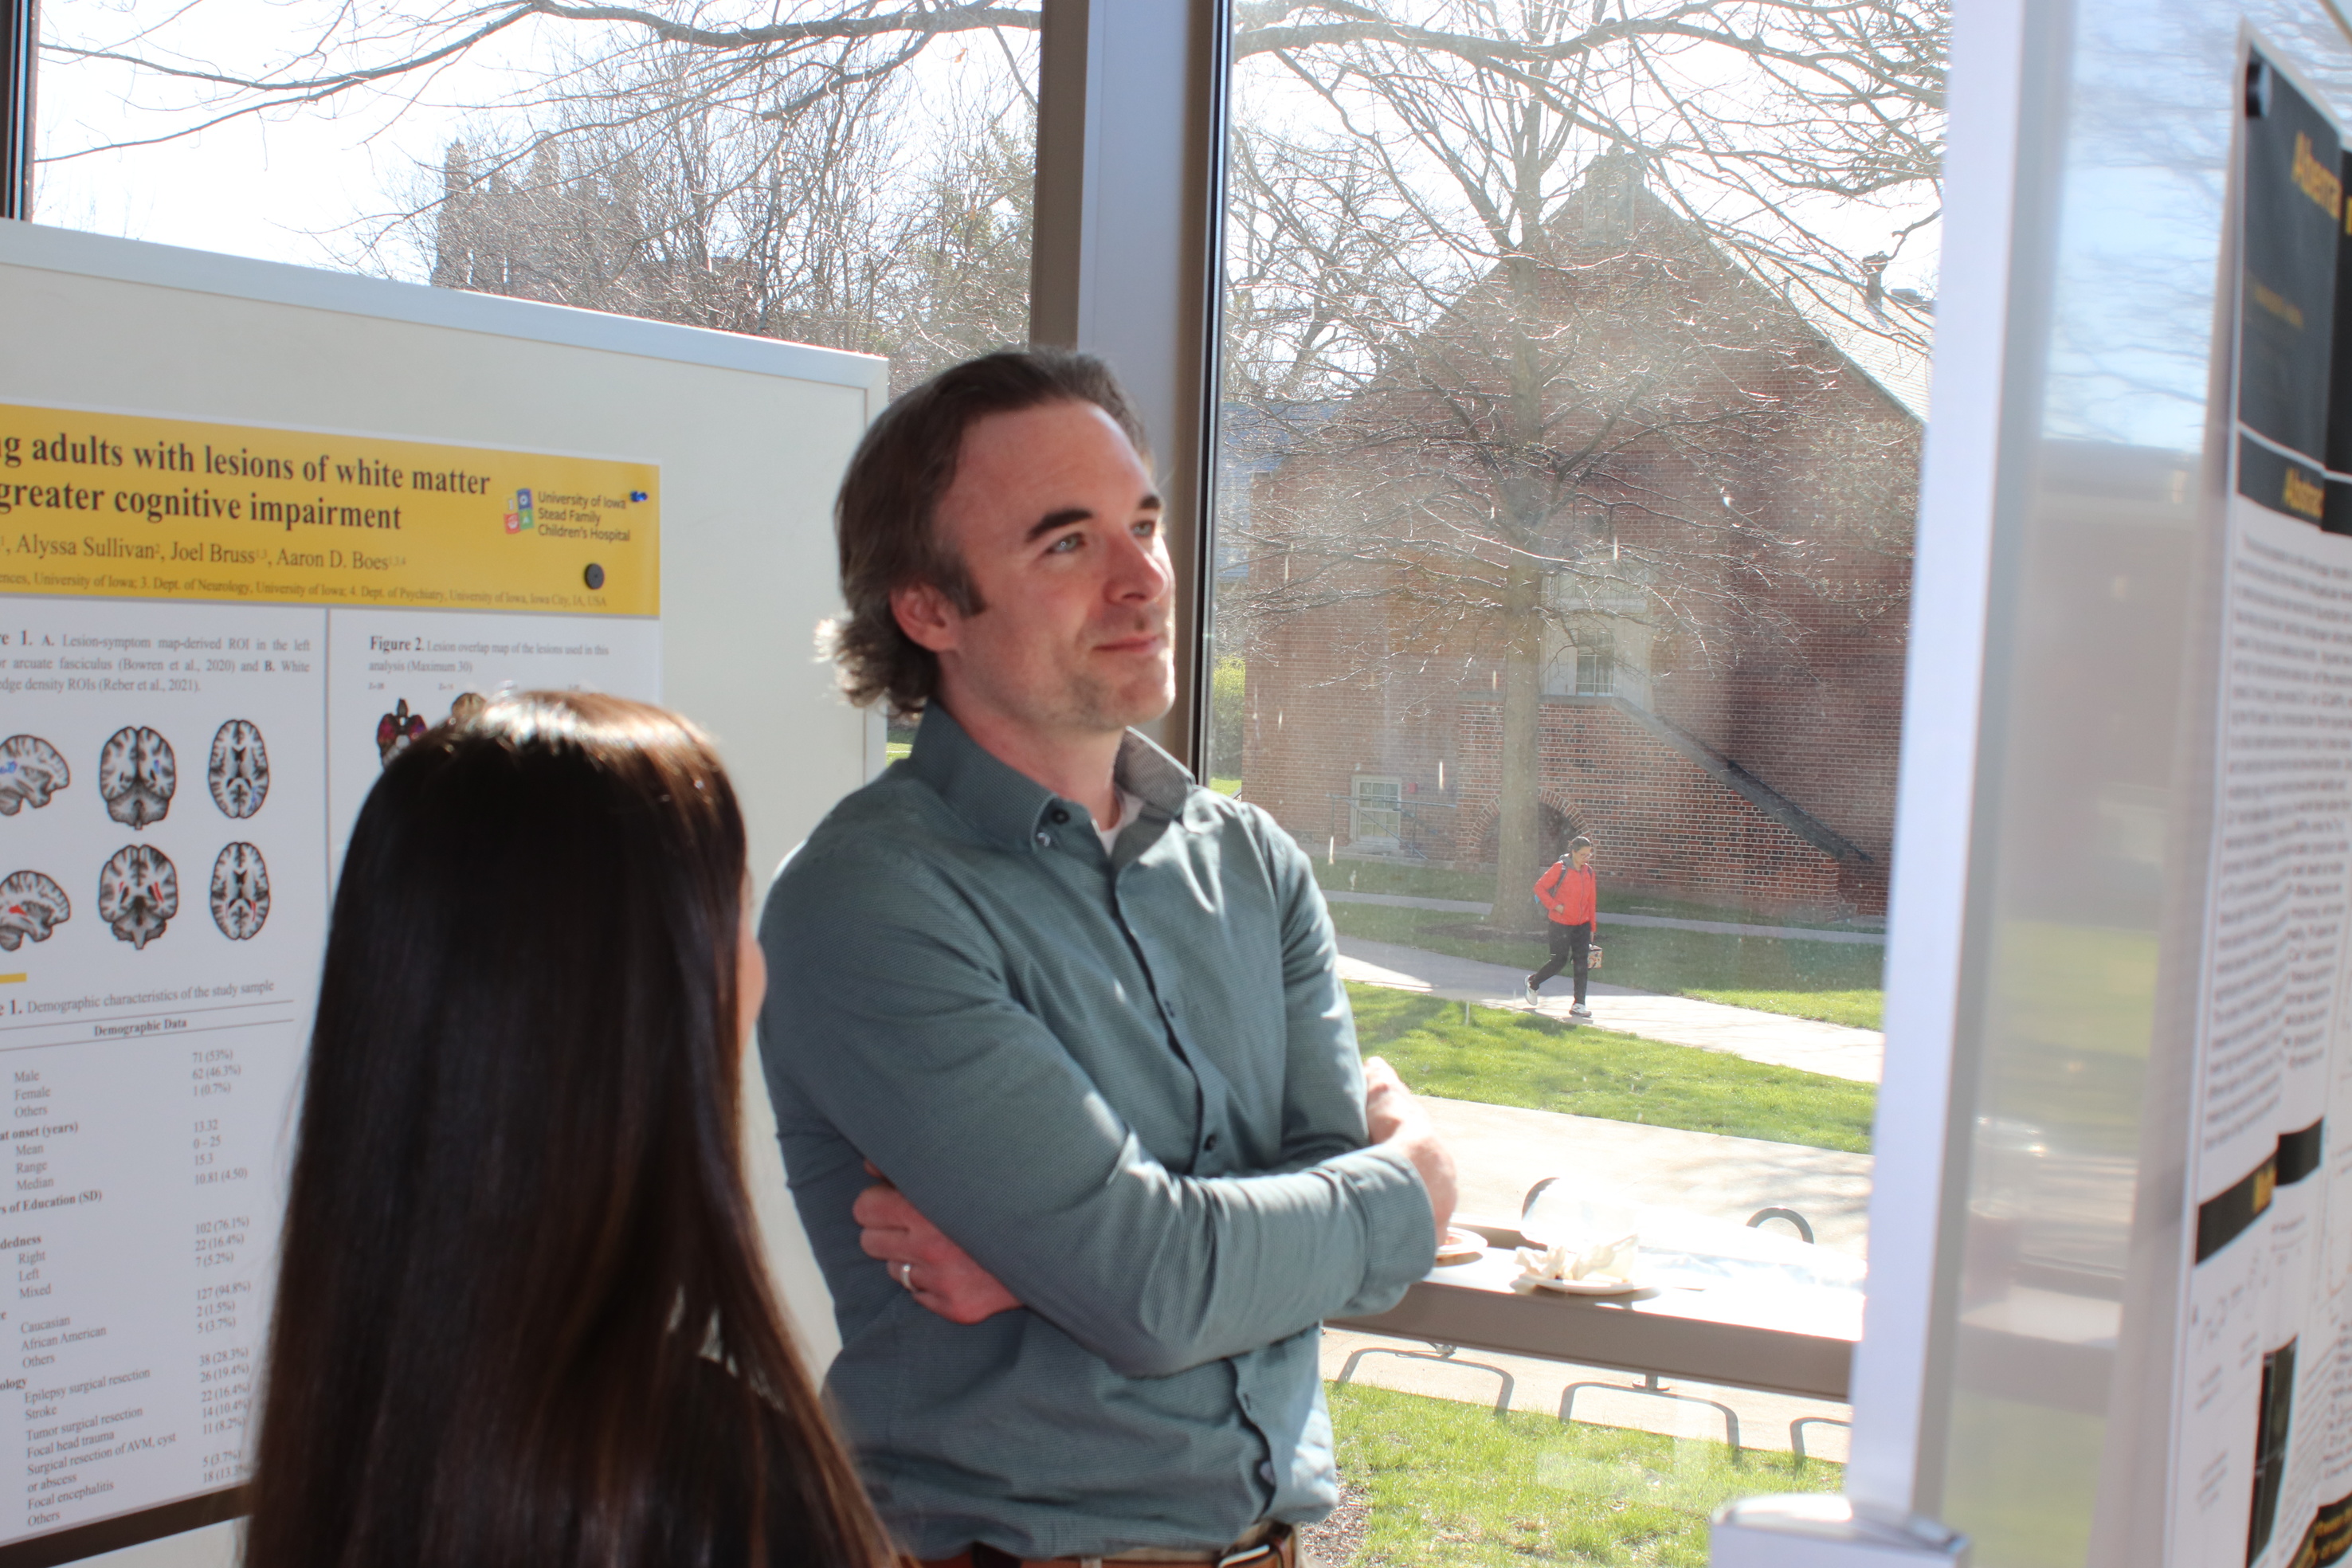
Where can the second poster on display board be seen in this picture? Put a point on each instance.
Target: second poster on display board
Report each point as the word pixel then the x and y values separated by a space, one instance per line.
pixel 2261 1468
pixel 212 639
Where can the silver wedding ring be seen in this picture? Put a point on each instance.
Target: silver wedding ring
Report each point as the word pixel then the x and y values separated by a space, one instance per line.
pixel 907 1275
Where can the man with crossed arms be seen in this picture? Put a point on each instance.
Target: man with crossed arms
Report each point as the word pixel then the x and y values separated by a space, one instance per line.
pixel 1066 1082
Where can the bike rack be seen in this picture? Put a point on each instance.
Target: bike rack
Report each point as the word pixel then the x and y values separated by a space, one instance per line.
pixel 1435 1352
pixel 1796 1434
pixel 1650 1389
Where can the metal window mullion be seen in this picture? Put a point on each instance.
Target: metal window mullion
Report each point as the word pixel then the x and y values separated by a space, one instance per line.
pixel 1128 233
pixel 20 34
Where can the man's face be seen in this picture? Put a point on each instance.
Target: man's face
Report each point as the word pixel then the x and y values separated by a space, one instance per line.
pixel 1054 518
pixel 1582 858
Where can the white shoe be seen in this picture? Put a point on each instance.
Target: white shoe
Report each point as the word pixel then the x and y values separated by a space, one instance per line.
pixel 1580 1011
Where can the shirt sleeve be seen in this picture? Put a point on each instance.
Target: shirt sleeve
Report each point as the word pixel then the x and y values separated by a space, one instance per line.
pixel 889 1011
pixel 1323 1086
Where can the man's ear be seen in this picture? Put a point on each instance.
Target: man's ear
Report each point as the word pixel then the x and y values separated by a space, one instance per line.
pixel 925 615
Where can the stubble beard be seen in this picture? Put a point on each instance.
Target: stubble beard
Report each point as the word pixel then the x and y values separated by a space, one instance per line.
pixel 1072 697
pixel 1091 702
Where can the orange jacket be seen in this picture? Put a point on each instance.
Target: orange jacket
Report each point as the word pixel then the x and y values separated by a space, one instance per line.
pixel 1569 895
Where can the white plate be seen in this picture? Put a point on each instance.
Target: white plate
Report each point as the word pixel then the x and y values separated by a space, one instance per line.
pixel 1460 1246
pixel 1593 1286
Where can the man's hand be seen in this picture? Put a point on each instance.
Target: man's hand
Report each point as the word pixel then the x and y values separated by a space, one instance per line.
pixel 941 1275
pixel 1400 1120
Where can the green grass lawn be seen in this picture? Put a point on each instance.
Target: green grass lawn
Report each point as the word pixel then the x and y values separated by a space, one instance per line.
pixel 1505 1057
pixel 1854 1009
pixel 1838 983
pixel 1455 1486
pixel 1225 784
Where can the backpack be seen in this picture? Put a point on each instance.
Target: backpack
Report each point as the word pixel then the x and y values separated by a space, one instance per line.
pixel 1537 899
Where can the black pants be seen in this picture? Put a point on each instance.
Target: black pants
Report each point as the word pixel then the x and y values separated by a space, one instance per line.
pixel 1570 945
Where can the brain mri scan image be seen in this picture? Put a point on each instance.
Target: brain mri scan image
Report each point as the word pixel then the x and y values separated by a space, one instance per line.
pixel 30 905
pixel 238 771
pixel 467 705
pixel 31 770
pixel 136 777
pixel 138 893
pixel 240 891
pixel 396 731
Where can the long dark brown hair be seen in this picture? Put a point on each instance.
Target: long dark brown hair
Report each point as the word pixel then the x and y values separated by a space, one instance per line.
pixel 522 1315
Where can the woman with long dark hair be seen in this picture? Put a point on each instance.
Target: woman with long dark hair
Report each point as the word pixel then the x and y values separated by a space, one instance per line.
pixel 522 1316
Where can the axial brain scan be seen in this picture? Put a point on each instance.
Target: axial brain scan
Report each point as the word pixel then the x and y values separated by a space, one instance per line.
pixel 136 777
pixel 240 891
pixel 29 905
pixel 31 770
pixel 238 771
pixel 138 893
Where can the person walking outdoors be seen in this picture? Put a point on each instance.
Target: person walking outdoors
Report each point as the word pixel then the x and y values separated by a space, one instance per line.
pixel 1570 896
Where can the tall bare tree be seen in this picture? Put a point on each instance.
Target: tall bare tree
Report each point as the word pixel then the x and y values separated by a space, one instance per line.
pixel 849 221
pixel 1545 347
pixel 1416 253
pixel 1832 104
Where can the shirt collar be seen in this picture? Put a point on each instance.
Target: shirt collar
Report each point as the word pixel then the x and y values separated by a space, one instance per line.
pixel 1010 807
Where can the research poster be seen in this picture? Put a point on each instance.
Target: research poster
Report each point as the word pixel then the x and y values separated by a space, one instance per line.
pixel 212 638
pixel 2262 1428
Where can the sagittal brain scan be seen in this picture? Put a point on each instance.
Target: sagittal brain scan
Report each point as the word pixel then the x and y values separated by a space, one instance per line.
pixel 396 731
pixel 30 905
pixel 136 777
pixel 138 893
pixel 31 770
pixel 238 771
pixel 240 891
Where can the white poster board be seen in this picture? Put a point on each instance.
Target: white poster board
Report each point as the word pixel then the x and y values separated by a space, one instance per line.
pixel 261 526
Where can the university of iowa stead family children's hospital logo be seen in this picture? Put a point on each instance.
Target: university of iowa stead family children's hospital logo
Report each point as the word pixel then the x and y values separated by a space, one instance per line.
pixel 519 521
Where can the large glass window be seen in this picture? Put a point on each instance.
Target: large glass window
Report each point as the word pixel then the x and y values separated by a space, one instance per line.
pixel 794 172
pixel 1575 367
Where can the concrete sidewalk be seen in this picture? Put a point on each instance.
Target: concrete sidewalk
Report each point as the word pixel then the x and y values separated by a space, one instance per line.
pixel 1832 1049
pixel 1612 918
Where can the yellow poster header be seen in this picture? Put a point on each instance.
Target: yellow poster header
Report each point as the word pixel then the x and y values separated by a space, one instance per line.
pixel 129 507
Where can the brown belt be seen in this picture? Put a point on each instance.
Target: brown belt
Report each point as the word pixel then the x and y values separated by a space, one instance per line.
pixel 1278 1549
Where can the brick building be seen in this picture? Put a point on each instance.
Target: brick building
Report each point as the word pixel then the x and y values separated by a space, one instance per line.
pixel 1723 557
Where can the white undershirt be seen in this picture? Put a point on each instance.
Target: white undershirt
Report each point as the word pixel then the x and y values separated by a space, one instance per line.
pixel 1129 805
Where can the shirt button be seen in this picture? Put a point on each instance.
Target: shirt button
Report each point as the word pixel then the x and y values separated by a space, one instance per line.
pixel 1061 814
pixel 1208 1143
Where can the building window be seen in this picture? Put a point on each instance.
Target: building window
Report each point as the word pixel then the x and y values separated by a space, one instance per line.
pixel 1596 669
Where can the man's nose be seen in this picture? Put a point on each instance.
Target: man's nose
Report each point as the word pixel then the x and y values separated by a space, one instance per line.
pixel 1141 572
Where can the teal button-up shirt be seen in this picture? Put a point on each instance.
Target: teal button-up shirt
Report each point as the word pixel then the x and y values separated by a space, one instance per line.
pixel 1128 1084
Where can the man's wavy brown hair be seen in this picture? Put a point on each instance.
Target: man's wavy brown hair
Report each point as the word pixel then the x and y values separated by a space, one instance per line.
pixel 886 519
